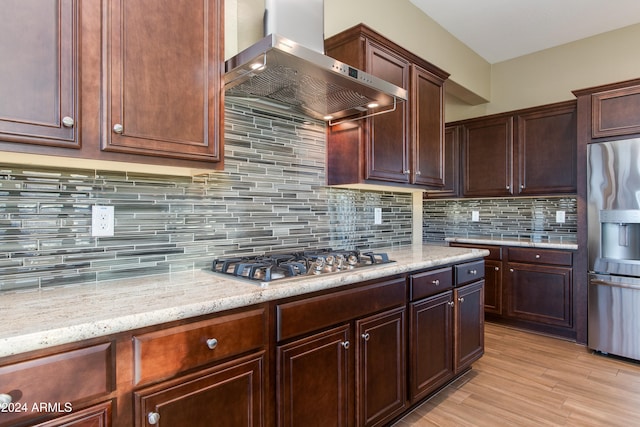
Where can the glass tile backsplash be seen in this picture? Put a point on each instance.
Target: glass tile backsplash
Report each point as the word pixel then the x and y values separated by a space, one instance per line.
pixel 516 218
pixel 271 196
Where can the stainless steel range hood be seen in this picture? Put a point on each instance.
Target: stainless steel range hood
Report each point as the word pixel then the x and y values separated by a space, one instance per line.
pixel 278 71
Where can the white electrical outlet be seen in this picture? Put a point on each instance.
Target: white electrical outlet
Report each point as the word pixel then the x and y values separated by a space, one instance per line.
pixel 377 215
pixel 475 216
pixel 102 221
pixel 560 217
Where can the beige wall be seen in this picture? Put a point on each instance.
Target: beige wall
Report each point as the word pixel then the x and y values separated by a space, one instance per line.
pixel 406 25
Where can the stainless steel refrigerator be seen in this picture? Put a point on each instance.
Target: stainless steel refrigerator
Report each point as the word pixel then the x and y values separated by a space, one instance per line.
pixel 614 247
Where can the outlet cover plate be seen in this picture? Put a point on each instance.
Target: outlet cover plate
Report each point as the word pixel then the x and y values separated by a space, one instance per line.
pixel 102 221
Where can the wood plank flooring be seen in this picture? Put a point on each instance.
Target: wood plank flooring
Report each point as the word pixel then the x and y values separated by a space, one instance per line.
pixel 526 379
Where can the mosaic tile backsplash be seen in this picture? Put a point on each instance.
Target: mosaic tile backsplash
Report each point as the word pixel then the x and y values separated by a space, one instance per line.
pixel 521 218
pixel 270 197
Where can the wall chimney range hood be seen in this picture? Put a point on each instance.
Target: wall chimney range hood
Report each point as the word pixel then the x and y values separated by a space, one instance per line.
pixel 279 72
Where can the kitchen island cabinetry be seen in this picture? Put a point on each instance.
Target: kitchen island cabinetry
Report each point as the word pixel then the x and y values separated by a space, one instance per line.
pixel 520 153
pixel 117 81
pixel 232 393
pixel 48 386
pixel 39 68
pixel 446 325
pixel 353 372
pixel 400 147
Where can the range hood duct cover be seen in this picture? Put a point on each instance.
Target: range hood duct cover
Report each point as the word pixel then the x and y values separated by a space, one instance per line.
pixel 305 81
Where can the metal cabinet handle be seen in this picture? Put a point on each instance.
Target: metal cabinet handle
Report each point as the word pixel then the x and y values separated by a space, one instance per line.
pixel 473 272
pixel 5 399
pixel 461 299
pixel 366 336
pixel 497 268
pixel 508 187
pixel 212 343
pixel 451 303
pixel 345 345
pixel 537 256
pixel 418 173
pixel 436 282
pixel 511 270
pixel 153 417
pixel 118 128
pixel 522 186
pixel 68 122
pixel 406 171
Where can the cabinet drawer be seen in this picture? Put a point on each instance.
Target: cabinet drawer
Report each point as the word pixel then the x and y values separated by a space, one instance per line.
pixel 469 272
pixel 430 283
pixel 312 314
pixel 537 256
pixel 62 378
pixel 169 351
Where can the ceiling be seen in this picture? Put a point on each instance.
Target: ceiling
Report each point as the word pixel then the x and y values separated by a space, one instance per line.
pixel 499 30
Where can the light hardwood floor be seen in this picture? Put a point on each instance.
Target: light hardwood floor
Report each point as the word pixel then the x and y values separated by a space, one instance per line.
pixel 526 379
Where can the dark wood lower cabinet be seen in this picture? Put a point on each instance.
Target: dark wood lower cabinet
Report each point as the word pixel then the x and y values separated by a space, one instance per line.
pixel 540 293
pixel 94 416
pixel 313 380
pixel 469 325
pixel 431 334
pixel 380 367
pixel 230 395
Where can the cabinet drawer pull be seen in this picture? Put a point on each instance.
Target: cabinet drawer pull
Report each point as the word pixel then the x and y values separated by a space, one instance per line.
pixel 366 336
pixel 451 303
pixel 5 399
pixel 461 299
pixel 153 417
pixel 345 345
pixel 537 256
pixel 436 282
pixel 118 128
pixel 406 172
pixel 212 343
pixel 473 272
pixel 68 122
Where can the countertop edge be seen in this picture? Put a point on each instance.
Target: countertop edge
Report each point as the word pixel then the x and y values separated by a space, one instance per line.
pixel 513 242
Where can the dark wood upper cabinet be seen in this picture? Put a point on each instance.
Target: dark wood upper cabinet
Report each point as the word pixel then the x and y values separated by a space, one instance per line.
pixel 487 157
pixel 404 147
pixel 520 153
pixel 39 65
pixel 547 150
pixel 164 67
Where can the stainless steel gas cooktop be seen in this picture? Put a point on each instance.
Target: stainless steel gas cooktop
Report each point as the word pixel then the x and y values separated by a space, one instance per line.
pixel 270 267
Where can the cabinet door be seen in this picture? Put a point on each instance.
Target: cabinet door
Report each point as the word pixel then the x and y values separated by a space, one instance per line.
pixel 380 367
pixel 487 157
pixel 547 151
pixel 228 396
pixel 431 344
pixel 38 47
pixel 163 70
pixel 493 287
pixel 451 187
pixel 313 380
pixel 616 112
pixel 428 118
pixel 469 326
pixel 387 156
pixel 540 293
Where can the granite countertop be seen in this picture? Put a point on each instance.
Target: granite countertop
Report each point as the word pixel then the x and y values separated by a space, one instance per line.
pixel 547 243
pixel 44 318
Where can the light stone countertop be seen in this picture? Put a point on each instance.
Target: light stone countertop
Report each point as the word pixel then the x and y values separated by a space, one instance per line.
pixel 39 319
pixel 531 243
